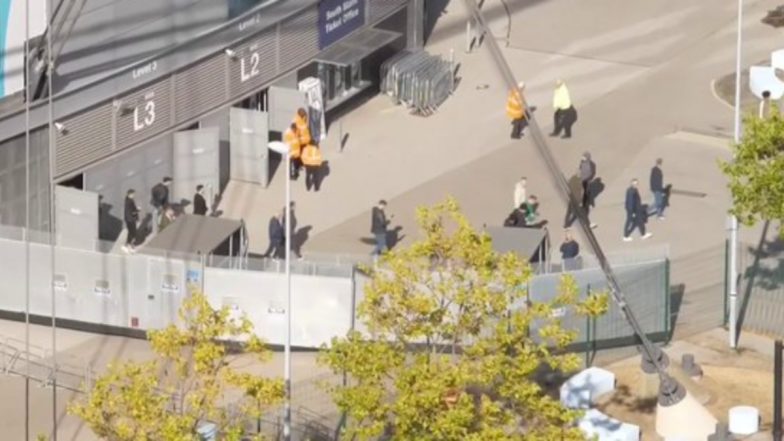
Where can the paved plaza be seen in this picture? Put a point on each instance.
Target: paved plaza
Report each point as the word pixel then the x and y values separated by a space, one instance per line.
pixel 641 79
pixel 640 76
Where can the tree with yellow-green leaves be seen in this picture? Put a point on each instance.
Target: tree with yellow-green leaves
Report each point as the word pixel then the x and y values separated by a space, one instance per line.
pixel 756 172
pixel 453 343
pixel 190 382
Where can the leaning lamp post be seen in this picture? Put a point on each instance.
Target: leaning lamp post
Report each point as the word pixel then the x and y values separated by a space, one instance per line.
pixel 283 149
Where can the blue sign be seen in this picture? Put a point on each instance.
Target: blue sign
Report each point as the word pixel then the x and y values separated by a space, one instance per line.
pixel 338 18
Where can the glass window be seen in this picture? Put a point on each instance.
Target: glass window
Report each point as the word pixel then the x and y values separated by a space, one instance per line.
pixel 239 7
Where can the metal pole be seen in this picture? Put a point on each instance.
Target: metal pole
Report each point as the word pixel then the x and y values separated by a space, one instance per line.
pixel 52 156
pixel 287 353
pixel 733 273
pixel 28 95
pixel 778 371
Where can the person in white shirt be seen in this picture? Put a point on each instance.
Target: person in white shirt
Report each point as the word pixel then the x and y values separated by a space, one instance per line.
pixel 565 114
pixel 519 192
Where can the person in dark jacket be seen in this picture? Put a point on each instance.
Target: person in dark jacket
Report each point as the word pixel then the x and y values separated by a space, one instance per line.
pixel 199 203
pixel 159 201
pixel 657 188
pixel 378 226
pixel 635 216
pixel 587 175
pixel 570 249
pixel 131 217
pixel 277 237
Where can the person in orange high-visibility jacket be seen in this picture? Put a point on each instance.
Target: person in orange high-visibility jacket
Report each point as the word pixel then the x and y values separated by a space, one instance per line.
pixel 291 137
pixel 312 159
pixel 303 128
pixel 515 110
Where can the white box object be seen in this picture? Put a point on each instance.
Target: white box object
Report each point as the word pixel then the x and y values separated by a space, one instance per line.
pixel 604 428
pixel 582 389
pixel 744 420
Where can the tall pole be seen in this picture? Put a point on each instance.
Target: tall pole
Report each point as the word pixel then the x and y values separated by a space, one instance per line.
pixel 52 241
pixel 27 216
pixel 733 263
pixel 287 350
pixel 778 371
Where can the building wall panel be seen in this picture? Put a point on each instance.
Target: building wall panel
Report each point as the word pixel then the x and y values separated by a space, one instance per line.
pixel 200 88
pixel 299 39
pixel 87 137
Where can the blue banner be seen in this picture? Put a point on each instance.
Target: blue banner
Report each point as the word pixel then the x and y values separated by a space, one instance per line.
pixel 338 18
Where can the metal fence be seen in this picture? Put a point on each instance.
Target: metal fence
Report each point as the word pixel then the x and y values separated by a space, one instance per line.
pixel 760 288
pixel 418 80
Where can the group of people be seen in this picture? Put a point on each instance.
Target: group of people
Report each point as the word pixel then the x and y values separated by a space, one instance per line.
pixel 304 151
pixel 584 187
pixel 163 212
pixel 525 213
pixel 636 212
pixel 564 113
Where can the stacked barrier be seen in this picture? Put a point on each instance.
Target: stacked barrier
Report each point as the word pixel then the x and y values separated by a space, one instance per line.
pixel 418 80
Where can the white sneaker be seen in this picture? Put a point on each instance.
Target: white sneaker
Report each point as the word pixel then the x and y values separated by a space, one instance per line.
pixel 125 249
pixel 647 235
pixel 593 226
pixel 627 239
pixel 661 218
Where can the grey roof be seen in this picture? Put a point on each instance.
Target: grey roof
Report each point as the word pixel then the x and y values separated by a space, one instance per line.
pixel 357 46
pixel 191 234
pixel 111 34
pixel 523 241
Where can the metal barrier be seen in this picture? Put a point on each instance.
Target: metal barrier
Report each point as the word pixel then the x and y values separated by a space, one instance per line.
pixel 418 80
pixel 761 288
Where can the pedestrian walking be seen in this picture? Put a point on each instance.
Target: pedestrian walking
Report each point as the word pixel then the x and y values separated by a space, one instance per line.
pixel 277 237
pixel 199 203
pixel 635 216
pixel 291 137
pixel 378 226
pixel 565 115
pixel 519 192
pixel 312 159
pixel 587 175
pixel 159 201
pixel 570 250
pixel 515 110
pixel 131 217
pixel 765 105
pixel 303 127
pixel 576 189
pixel 657 188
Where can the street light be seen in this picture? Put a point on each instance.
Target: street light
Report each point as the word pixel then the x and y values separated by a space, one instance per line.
pixel 733 263
pixel 283 149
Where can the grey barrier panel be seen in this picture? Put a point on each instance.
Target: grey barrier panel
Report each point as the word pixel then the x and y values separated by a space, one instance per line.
pixel 321 306
pixel 642 284
pixel 166 290
pixel 12 272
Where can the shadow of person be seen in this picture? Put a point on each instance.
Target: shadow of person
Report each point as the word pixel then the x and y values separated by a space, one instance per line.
pixel 667 194
pixel 299 238
pixel 109 226
pixel 145 228
pixel 324 171
pixel 595 188
pixel 394 237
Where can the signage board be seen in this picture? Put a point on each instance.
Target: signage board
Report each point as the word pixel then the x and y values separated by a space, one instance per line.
pixel 338 18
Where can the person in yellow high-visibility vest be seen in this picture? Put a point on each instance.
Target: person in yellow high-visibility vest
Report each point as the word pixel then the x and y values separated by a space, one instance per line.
pixel 303 127
pixel 291 137
pixel 312 159
pixel 515 110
